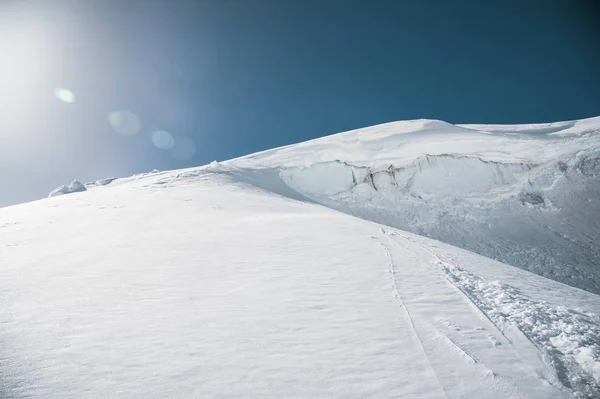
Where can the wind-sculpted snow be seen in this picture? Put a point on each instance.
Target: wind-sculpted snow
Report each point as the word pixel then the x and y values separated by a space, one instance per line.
pixel 74 187
pixel 402 143
pixel 428 177
pixel 101 182
pixel 543 218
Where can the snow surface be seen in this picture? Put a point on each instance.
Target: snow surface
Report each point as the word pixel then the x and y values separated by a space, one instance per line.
pixel 233 280
pixel 74 187
pixel 101 182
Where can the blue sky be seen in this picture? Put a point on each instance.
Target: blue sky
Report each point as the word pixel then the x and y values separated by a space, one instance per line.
pixel 228 78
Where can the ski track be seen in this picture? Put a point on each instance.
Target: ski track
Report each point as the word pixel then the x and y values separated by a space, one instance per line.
pixel 436 342
pixel 563 362
pixel 410 319
pixel 551 379
pixel 572 377
pixel 459 347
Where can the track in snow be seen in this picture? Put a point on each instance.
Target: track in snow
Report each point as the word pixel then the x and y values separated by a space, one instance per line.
pixel 410 319
pixel 568 340
pixel 457 338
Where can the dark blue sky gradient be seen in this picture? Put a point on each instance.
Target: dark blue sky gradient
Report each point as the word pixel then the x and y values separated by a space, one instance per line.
pixel 236 77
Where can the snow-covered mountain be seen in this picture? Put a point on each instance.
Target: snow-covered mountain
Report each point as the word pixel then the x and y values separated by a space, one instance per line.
pixel 253 278
pixel 527 195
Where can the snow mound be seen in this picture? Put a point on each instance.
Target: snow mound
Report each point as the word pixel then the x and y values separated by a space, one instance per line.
pixel 74 187
pixel 101 182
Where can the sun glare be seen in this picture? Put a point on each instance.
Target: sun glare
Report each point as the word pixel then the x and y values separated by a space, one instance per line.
pixel 124 122
pixel 34 72
pixel 64 95
pixel 163 139
pixel 27 51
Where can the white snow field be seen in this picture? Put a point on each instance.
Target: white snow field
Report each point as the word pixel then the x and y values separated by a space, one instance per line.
pixel 234 281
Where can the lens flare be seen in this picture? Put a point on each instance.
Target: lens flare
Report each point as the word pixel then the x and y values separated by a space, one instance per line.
pixel 124 122
pixel 183 149
pixel 163 139
pixel 64 95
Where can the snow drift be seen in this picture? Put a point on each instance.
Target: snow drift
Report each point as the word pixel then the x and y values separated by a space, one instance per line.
pixel 74 187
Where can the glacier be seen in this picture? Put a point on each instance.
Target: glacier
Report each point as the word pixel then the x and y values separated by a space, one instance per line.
pixel 414 259
pixel 527 195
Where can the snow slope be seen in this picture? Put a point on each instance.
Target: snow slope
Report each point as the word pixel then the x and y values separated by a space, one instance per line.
pixel 199 283
pixel 527 195
pixel 232 280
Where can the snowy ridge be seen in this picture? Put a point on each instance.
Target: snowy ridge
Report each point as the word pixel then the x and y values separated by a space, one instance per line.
pixel 403 142
pixel 233 280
